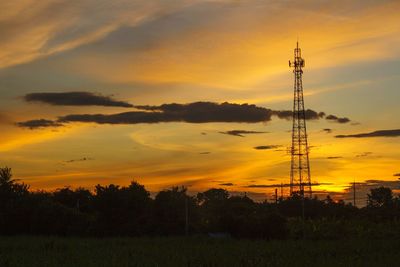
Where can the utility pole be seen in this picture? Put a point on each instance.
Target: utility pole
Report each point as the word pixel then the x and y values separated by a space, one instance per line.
pixel 186 216
pixel 300 178
pixel 276 195
pixel 354 193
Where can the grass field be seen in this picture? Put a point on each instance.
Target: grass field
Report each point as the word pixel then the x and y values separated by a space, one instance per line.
pixel 120 252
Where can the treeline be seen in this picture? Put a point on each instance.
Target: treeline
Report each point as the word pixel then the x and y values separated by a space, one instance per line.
pixel 114 210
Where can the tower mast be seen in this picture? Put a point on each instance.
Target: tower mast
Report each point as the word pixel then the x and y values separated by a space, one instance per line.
pixel 300 178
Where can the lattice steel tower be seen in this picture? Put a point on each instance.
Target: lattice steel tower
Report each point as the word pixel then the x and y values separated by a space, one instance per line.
pixel 300 179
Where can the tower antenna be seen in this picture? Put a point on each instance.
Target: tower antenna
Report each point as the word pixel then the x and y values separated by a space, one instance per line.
pixel 300 178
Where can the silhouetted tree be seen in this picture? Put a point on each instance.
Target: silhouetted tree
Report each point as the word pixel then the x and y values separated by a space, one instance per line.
pixel 79 198
pixel 170 208
pixel 129 210
pixel 212 207
pixel 12 199
pixel 122 210
pixel 380 197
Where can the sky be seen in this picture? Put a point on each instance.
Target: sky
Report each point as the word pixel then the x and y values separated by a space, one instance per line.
pixel 197 93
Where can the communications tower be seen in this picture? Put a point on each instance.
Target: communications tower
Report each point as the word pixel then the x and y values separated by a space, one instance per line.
pixel 300 179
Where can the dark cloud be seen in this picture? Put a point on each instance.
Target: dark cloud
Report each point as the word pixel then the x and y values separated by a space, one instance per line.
pixel 309 114
pixel 380 133
pixel 327 130
pixel 75 99
pixel 197 112
pixel 280 185
pixel 397 174
pixel 226 184
pixel 364 154
pixel 266 147
pixel 205 153
pixel 335 157
pixel 241 133
pixel 36 124
pixel 337 119
pixel 78 160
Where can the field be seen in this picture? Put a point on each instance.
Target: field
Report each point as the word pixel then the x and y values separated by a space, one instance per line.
pixel 199 251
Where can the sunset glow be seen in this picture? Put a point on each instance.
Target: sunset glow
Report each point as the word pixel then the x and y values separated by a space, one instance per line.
pixel 135 56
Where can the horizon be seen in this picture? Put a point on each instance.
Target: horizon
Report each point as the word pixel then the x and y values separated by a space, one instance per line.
pixel 199 94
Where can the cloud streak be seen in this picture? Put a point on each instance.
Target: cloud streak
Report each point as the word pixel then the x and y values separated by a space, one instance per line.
pixel 241 133
pixel 337 119
pixel 75 99
pixel 379 133
pixel 280 185
pixel 309 114
pixel 78 160
pixel 37 124
pixel 267 147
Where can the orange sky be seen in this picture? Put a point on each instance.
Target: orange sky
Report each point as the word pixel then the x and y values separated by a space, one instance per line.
pixel 154 52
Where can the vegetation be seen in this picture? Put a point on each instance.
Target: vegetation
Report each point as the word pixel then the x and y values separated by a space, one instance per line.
pixel 114 210
pixel 194 252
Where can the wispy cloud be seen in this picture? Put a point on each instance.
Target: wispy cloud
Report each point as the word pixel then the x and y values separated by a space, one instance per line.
pixel 226 184
pixel 36 124
pixel 75 99
pixel 379 133
pixel 364 154
pixel 78 160
pixel 267 147
pixel 309 114
pixel 280 185
pixel 337 119
pixel 241 133
pixel 334 157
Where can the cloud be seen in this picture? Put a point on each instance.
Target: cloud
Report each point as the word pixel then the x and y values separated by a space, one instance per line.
pixel 309 114
pixel 204 153
pixel 213 112
pixel 337 119
pixel 266 147
pixel 365 154
pixel 380 133
pixel 327 130
pixel 396 174
pixel 196 112
pixel 41 123
pixel 62 25
pixel 226 184
pixel 78 160
pixel 335 157
pixel 241 133
pixel 75 99
pixel 280 185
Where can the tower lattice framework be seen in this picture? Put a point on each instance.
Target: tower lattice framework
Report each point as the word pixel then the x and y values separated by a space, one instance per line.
pixel 300 178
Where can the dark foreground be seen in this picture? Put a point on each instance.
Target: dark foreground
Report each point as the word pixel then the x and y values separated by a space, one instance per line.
pixel 119 252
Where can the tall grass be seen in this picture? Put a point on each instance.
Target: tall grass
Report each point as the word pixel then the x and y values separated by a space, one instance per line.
pixel 194 251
